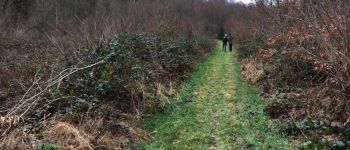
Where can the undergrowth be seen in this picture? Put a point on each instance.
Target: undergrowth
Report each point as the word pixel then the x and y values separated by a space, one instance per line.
pixel 103 91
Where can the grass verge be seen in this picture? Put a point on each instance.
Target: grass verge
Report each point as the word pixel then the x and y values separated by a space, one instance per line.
pixel 215 110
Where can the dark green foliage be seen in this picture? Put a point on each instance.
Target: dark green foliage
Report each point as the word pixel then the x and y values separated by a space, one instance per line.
pixel 309 145
pixel 131 65
pixel 324 144
pixel 48 146
pixel 312 130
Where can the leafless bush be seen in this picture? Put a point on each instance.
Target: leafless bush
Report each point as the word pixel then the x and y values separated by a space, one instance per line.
pixel 314 33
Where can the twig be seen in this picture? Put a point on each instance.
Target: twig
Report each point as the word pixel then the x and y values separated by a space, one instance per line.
pixel 51 82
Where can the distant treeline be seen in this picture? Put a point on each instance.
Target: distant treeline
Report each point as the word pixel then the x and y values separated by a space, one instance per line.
pixel 93 18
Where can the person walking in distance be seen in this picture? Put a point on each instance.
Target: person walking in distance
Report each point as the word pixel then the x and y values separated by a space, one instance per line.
pixel 224 43
pixel 230 42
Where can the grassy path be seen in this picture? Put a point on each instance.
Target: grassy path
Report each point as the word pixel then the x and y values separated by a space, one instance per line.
pixel 215 110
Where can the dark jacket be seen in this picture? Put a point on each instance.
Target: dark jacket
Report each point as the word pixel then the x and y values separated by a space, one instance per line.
pixel 225 40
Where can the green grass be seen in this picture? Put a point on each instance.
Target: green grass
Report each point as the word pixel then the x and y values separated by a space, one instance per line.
pixel 215 110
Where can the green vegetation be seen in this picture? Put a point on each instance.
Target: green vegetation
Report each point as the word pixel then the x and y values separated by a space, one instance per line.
pixel 129 75
pixel 215 110
pixel 130 67
pixel 48 146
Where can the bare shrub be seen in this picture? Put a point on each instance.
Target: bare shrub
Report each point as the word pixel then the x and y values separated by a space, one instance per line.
pixel 313 33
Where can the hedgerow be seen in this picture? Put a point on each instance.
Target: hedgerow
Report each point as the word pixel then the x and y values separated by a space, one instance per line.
pixel 135 70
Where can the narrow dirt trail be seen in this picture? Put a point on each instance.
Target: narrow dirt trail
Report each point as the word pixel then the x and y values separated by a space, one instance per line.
pixel 215 110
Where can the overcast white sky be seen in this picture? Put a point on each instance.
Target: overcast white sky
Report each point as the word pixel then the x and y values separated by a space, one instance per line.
pixel 245 1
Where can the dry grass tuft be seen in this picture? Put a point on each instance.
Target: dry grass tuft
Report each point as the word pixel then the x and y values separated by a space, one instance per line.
pixel 252 70
pixel 10 121
pixel 109 141
pixel 111 132
pixel 68 137
pixel 16 140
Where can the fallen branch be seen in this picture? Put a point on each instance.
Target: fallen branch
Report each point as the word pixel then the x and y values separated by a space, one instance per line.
pixel 27 103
